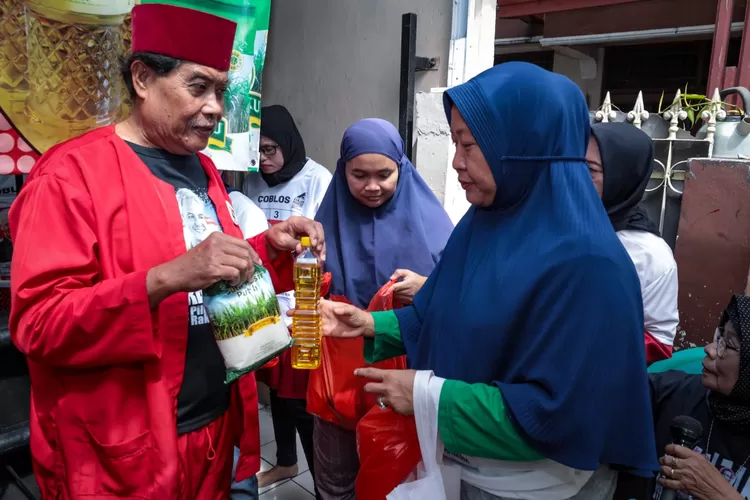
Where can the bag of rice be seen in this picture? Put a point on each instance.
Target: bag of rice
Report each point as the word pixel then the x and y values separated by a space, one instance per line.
pixel 247 323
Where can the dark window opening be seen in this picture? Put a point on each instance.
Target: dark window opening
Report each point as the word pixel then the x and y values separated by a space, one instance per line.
pixel 543 58
pixel 659 67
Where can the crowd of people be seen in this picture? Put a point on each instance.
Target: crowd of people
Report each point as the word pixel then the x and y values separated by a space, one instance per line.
pixel 527 328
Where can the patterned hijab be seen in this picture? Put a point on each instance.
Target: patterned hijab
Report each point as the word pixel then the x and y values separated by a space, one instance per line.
pixel 735 408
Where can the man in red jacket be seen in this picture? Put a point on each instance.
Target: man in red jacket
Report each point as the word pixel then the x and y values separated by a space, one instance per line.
pixel 116 233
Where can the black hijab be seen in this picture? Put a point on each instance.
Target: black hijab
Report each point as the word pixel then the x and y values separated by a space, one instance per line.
pixel 735 408
pixel 627 161
pixel 278 125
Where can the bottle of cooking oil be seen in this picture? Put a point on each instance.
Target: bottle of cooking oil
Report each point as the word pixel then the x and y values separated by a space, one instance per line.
pixel 306 323
pixel 12 46
pixel 126 30
pixel 74 49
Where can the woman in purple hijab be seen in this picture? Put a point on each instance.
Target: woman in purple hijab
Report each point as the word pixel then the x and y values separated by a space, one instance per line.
pixel 381 220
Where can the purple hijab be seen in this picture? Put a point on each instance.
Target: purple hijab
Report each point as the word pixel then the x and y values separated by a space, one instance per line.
pixel 365 245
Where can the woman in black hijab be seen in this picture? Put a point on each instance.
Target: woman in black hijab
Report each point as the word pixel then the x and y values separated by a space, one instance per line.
pixel 621 158
pixel 279 129
pixel 627 157
pixel 288 184
pixel 718 467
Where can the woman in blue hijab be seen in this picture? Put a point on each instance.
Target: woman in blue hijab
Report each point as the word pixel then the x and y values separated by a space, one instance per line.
pixel 379 217
pixel 379 214
pixel 526 342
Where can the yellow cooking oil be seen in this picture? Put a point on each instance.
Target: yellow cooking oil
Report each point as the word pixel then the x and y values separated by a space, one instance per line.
pixel 306 322
pixel 12 46
pixel 127 43
pixel 74 50
pixel 127 33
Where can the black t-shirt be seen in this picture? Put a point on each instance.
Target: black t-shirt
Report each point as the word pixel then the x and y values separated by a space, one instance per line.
pixel 676 393
pixel 203 395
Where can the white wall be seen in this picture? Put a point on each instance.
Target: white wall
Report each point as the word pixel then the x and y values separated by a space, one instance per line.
pixel 473 52
pixel 434 153
pixel 332 62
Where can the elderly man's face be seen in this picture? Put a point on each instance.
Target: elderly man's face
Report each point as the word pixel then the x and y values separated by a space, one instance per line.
pixel 180 110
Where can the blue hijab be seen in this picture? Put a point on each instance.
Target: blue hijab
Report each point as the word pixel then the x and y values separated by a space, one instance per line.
pixel 535 294
pixel 364 245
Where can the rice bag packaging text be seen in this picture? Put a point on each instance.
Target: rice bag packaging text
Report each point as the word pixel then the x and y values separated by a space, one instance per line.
pixel 247 323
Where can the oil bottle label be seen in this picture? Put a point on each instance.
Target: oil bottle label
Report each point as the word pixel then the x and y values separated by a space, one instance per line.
pixel 92 7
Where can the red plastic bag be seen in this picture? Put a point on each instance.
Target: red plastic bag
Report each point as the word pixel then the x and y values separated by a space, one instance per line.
pixel 334 393
pixel 270 364
pixel 388 452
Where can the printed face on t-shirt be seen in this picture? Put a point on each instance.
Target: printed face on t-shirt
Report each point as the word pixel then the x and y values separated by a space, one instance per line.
pixel 195 217
pixel 197 225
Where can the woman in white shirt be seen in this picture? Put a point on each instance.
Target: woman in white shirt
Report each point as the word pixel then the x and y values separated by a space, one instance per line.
pixel 248 216
pixel 289 183
pixel 621 159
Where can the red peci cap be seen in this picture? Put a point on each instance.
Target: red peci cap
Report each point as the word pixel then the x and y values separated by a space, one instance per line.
pixel 187 34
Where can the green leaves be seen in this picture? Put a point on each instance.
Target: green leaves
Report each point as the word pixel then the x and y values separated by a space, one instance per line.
pixel 691 116
pixel 694 105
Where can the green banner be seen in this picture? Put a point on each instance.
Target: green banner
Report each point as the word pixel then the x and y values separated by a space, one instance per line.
pixel 234 145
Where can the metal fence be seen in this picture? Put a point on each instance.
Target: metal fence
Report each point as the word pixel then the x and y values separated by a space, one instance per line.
pixel 690 143
pixel 674 145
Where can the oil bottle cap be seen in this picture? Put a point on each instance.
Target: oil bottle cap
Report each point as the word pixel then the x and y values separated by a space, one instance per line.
pixel 305 240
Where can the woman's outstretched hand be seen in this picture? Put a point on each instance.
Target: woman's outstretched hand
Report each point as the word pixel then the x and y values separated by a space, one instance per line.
pixel 395 388
pixel 341 320
pixel 408 286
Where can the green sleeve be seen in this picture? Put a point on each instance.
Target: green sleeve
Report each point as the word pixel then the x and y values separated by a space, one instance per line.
pixel 472 421
pixel 471 417
pixel 387 342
